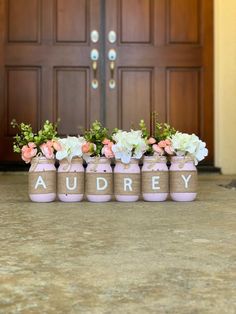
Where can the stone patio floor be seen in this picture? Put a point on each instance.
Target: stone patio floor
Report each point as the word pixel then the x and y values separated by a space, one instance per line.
pixel 118 258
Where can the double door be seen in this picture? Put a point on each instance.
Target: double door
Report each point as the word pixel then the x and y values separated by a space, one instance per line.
pixel 113 60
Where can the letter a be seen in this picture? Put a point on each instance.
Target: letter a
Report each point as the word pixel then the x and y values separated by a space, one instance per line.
pixel 186 180
pixel 155 183
pixel 104 186
pixel 71 188
pixel 128 184
pixel 40 182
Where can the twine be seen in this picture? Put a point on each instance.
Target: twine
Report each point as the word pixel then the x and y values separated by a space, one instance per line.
pixel 39 159
pixel 96 161
pixel 48 178
pixel 127 166
pixel 67 164
pixel 181 161
pixel 119 183
pixel 61 182
pixel 154 160
pixel 178 185
pixel 91 183
pixel 162 182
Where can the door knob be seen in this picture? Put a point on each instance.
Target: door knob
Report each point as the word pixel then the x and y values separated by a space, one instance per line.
pixel 94 36
pixel 112 37
pixel 94 55
pixel 112 57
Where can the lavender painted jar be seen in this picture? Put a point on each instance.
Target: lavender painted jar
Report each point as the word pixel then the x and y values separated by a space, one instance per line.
pixel 42 180
pixel 183 179
pixel 155 179
pixel 127 181
pixel 99 180
pixel 70 180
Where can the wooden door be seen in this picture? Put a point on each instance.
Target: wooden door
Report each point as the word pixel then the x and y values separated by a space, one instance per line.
pixel 164 64
pixel 45 65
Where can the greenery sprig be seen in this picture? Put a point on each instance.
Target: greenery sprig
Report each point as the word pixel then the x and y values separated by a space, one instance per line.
pixel 96 135
pixel 26 134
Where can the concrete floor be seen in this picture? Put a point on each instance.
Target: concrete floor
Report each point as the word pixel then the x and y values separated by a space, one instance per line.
pixel 118 258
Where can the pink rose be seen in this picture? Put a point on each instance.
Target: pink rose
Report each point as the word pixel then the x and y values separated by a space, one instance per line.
pixel 107 152
pixel 157 149
pixel 31 145
pixel 169 150
pixel 110 144
pixel 86 147
pixel 49 143
pixel 105 141
pixel 57 146
pixel 162 144
pixel 168 142
pixel 47 150
pixel 151 141
pixel 27 153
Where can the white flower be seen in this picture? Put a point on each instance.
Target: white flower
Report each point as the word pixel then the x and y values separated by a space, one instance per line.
pixel 128 145
pixel 186 144
pixel 71 147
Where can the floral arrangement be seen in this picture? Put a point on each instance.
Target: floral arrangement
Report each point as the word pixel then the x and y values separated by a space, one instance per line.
pixel 30 144
pixel 122 145
pixel 71 147
pixel 189 145
pixel 98 142
pixel 159 144
pixel 128 145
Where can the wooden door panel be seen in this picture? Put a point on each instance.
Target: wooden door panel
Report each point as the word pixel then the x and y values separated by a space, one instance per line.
pixel 183 21
pixel 71 99
pixel 183 101
pixel 23 21
pixel 22 96
pixel 135 96
pixel 71 21
pixel 139 12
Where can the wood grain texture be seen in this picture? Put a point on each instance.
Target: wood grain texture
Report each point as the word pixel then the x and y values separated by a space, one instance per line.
pixel 24 20
pixel 183 19
pixel 71 20
pixel 136 21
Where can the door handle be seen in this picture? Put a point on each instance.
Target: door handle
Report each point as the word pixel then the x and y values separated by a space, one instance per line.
pixel 112 57
pixel 94 55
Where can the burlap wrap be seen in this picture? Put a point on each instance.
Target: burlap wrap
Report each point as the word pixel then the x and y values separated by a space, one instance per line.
pixel 163 181
pixel 91 183
pixel 119 187
pixel 49 178
pixel 178 185
pixel 61 182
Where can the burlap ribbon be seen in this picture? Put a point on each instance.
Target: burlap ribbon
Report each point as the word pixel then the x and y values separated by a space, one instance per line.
pixel 96 186
pixel 122 186
pixel 183 181
pixel 70 182
pixel 42 182
pixel 155 182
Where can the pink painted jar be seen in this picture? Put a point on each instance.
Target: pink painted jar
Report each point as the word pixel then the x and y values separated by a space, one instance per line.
pixel 99 180
pixel 127 181
pixel 155 179
pixel 42 180
pixel 70 180
pixel 183 179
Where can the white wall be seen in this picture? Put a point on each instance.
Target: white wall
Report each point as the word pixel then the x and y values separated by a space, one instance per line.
pixel 225 85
